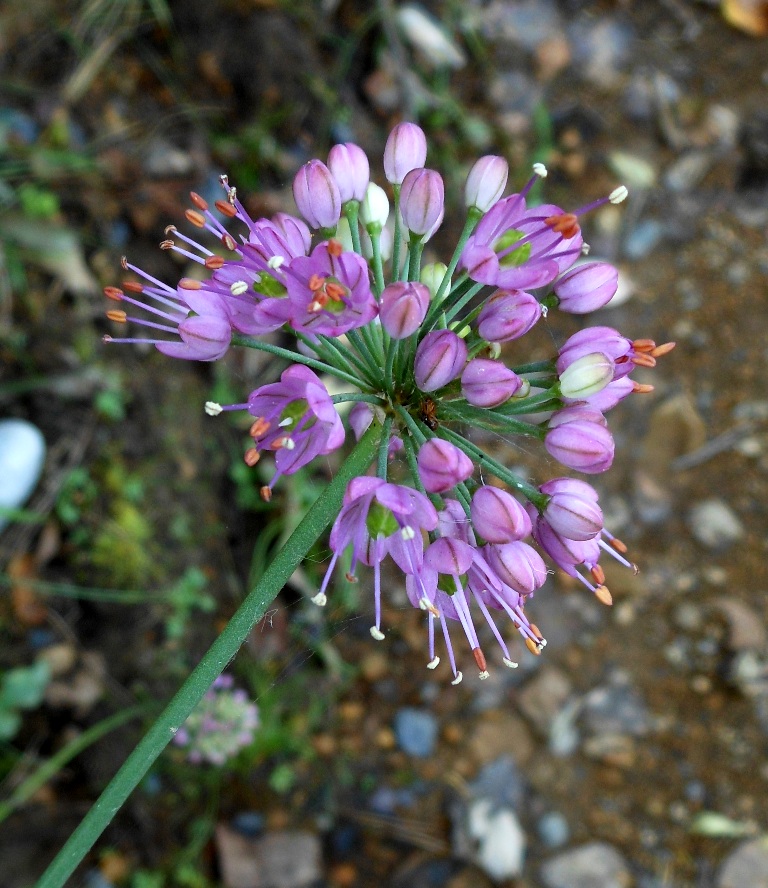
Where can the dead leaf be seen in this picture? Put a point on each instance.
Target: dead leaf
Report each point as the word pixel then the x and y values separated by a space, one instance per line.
pixel 28 608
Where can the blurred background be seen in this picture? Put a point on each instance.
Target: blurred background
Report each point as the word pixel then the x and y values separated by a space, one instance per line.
pixel 633 752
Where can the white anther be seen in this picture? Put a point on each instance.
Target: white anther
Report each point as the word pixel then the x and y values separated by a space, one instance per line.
pixel 424 604
pixel 494 350
pixel 284 423
pixel 484 674
pixel 276 261
pixel 407 532
pixel 458 679
pixel 585 248
pixel 544 311
pixel 377 633
pixel 510 663
pixel 618 195
pixel 540 170
pixel 320 599
pixel 289 443
pixel 542 642
pixel 238 288
pixel 212 408
pixel 433 664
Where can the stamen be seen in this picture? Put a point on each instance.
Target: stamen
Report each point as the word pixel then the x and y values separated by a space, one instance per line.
pixel 119 317
pixel 113 293
pixel 190 284
pixel 229 242
pixel 407 532
pixel 532 646
pixel 212 408
pixel 540 170
pixel 603 595
pixel 214 263
pixel 226 209
pixel 335 248
pixel 197 219
pixel 276 262
pixel 377 633
pixel 643 360
pixel 598 574
pixel 618 195
pixel 266 493
pixel 315 283
pixel 433 664
pixel 510 663
pixel 663 349
pixel 259 427
pixel 566 224
pixel 238 288
pixel 198 201
pixel 458 678
pixel 483 675
pixel 335 291
pixel 251 456
pixel 289 443
pixel 480 659
pixel 350 577
pixel 284 423
pixel 133 286
pixel 320 599
pixel 642 388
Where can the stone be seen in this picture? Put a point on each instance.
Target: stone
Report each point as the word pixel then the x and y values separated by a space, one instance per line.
pixel 544 696
pixel 500 838
pixel 746 866
pixel 553 829
pixel 746 630
pixel 279 859
pixel 22 455
pixel 596 865
pixel 715 525
pixel 416 731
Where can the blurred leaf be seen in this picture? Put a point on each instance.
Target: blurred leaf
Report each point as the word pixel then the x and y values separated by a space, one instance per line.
pixel 24 688
pixel 718 826
pixel 10 722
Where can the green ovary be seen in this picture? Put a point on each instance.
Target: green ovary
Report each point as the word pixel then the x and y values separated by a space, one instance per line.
pixel 514 257
pixel 380 521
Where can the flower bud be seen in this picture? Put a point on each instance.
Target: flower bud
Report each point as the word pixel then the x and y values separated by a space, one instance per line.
pixel 587 287
pixel 406 150
pixel 432 276
pixel 572 510
pixel 440 358
pixel 508 315
pixel 350 169
pixel 374 209
pixel 422 200
pixel 486 182
pixel 442 466
pixel 487 383
pixel 581 444
pixel 449 556
pixel 402 308
pixel 518 565
pixel 586 376
pixel 317 195
pixel 497 516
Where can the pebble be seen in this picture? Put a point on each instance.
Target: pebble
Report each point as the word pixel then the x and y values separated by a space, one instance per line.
pixel 279 859
pixel 745 628
pixel 601 46
pixel 616 709
pixel 746 866
pixel 643 239
pixel 500 782
pixel 416 731
pixel 22 455
pixel 544 696
pixel 526 23
pixel 553 829
pixel 596 865
pixel 688 170
pixel 500 838
pixel 715 525
pixel 636 172
pixel 163 160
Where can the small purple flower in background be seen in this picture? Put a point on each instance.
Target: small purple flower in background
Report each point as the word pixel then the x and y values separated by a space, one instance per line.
pixel 417 350
pixel 223 723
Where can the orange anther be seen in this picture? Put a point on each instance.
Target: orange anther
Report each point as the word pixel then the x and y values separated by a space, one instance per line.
pixel 198 201
pixel 226 209
pixel 532 646
pixel 335 247
pixel 643 345
pixel 536 631
pixel 663 349
pixel 480 659
pixel 642 388
pixel 643 360
pixel 133 286
pixel 335 291
pixel 190 284
pixel 259 427
pixel 619 545
pixel 113 293
pixel 167 245
pixel 251 456
pixel 265 493
pixel 316 282
pixel 119 317
pixel 566 224
pixel 602 593
pixel 598 575
pixel 214 263
pixel 195 218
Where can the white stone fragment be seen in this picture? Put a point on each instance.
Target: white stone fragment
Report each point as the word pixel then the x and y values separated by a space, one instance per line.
pixel 22 455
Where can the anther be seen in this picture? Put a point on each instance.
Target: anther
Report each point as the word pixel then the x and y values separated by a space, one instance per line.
pixel 212 408
pixel 566 224
pixel 350 577
pixel 124 262
pixel 540 170
pixel 433 664
pixel 407 532
pixel 229 242
pixel 479 659
pixel 119 317
pixel 238 288
pixel 642 388
pixel 598 575
pixel 458 678
pixel 167 244
pixel 663 349
pixel 643 360
pixel 320 599
pixel 335 248
pixel 169 229
pixel 315 283
pixel 275 262
pixel 284 423
pixel 266 494
pixel 536 631
pixel 113 293
pixel 251 456
pixel 532 646
pixel 585 249
pixel 618 195
pixel 226 209
pixel 603 595
pixel 289 443
pixel 259 427
pixel 509 663
pixel 190 284
pixel 335 291
pixel 214 263
pixel 376 633
pixel 484 674
pixel 133 286
pixel 198 201
pixel 197 219
pixel 618 545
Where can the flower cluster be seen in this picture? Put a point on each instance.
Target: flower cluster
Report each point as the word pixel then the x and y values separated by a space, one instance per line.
pixel 419 348
pixel 222 724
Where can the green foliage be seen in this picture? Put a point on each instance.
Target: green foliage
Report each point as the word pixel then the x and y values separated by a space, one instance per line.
pixel 21 688
pixel 185 597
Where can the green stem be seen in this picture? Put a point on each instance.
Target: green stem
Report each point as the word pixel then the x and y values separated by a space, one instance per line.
pixel 458 305
pixel 212 664
pixel 357 396
pixel 294 357
pixel 383 458
pixel 415 249
pixel 473 218
pixel 352 211
pixel 480 417
pixel 49 769
pixel 347 357
pixel 535 367
pixel 397 238
pixel 378 263
pixel 365 349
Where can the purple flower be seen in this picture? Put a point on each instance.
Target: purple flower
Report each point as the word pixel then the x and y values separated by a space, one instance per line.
pixel 403 307
pixel 497 516
pixel 442 465
pixel 406 150
pixel 585 376
pixel 361 416
pixel 486 182
pixel 586 287
pixel 380 519
pixel 625 354
pixel 572 510
pixel 350 169
pixel 487 383
pixel 317 195
pixel 578 437
pixel 440 358
pixel 329 292
pixel 508 315
pixel 295 418
pixel 518 565
pixel 422 201
pixel 514 247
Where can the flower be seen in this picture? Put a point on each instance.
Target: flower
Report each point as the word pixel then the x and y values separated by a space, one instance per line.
pixel 406 150
pixel 317 195
pixel 486 182
pixel 402 307
pixel 508 315
pixel 587 287
pixel 351 171
pixel 487 383
pixel 422 201
pixel 440 357
pixel 442 466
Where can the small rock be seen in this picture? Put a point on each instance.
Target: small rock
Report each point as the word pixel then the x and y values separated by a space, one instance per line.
pixel 544 696
pixel 164 160
pixel 687 171
pixel 553 829
pixel 501 840
pixel 500 782
pixel 643 239
pixel 500 733
pixel 288 859
pixel 22 454
pixel 745 628
pixel 416 731
pixel 613 749
pixel 616 709
pixel 600 46
pixel 636 172
pixel 525 23
pixel 59 657
pixel 429 38
pixel 715 525
pixel 746 866
pixel 596 865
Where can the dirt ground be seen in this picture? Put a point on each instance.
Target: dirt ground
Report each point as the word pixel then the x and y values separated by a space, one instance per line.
pixel 643 726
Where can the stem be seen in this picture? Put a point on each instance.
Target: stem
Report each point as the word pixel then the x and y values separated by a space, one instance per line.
pixel 397 238
pixel 378 263
pixel 352 211
pixel 459 304
pixel 294 357
pixel 213 663
pixel 27 788
pixel 365 349
pixel 381 465
pixel 473 218
pixel 347 356
pixel 415 249
pixel 357 396
pixel 480 417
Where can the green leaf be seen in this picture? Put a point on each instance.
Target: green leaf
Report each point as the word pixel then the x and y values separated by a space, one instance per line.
pixel 24 688
pixel 10 722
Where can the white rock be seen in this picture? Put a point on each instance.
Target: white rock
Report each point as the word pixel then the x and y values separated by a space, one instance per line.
pixel 501 840
pixel 746 866
pixel 596 865
pixel 715 524
pixel 22 454
pixel 428 37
